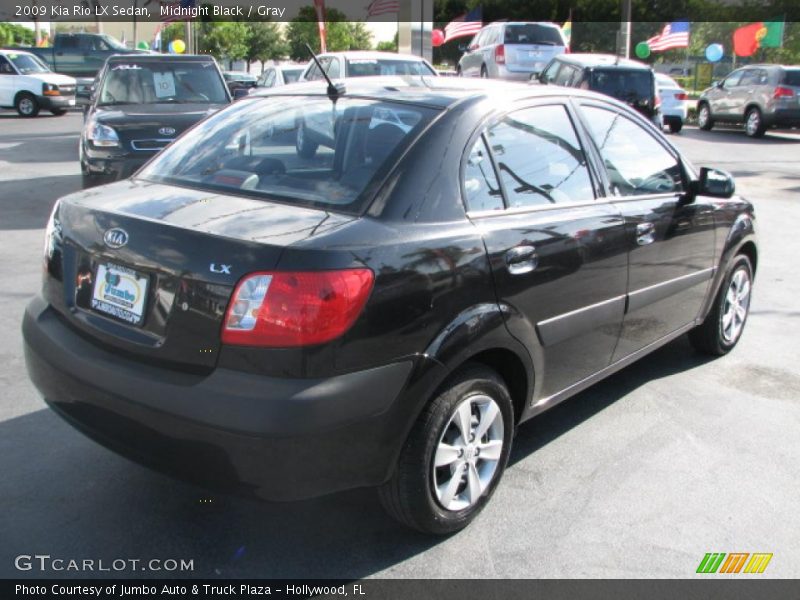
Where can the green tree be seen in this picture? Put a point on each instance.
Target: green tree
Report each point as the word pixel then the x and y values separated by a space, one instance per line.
pixel 224 40
pixel 303 30
pixel 265 42
pixel 12 34
pixel 360 37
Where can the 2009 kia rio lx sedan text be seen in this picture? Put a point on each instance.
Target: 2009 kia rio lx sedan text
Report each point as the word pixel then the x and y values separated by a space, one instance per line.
pixel 385 310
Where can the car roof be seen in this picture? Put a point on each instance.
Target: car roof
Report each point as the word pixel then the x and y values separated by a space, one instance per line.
pixel 373 55
pixel 439 92
pixel 602 60
pixel 161 57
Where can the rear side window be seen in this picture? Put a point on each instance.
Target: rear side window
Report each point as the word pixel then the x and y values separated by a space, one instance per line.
pixel 622 84
pixel 791 77
pixel 481 190
pixel 635 162
pixel 539 158
pixel 531 33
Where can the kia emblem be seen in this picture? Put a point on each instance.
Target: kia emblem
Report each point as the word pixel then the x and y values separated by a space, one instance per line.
pixel 167 131
pixel 115 238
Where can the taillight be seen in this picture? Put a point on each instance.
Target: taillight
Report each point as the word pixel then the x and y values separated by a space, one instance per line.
pixel 500 54
pixel 657 102
pixel 783 92
pixel 283 309
pixel 681 96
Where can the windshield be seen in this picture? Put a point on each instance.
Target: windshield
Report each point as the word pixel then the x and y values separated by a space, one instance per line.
pixel 292 75
pixel 368 67
pixel 531 33
pixel 27 63
pixel 628 86
pixel 163 81
pixel 303 150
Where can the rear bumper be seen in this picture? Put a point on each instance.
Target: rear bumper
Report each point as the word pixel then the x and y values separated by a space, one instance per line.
pixel 518 73
pixel 280 439
pixel 785 118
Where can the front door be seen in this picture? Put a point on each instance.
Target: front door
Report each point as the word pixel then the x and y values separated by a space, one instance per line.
pixel 558 255
pixel 670 241
pixel 7 77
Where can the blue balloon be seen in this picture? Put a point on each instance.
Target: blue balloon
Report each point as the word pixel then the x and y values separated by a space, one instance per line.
pixel 714 52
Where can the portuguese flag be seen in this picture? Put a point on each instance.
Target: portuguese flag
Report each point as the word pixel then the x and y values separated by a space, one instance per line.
pixel 766 34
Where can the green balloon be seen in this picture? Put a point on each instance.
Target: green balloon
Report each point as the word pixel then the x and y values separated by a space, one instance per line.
pixel 143 46
pixel 642 50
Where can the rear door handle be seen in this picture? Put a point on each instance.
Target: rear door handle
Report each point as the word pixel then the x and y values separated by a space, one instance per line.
pixel 521 260
pixel 645 233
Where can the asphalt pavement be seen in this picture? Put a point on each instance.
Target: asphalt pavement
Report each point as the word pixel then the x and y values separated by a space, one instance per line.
pixel 639 476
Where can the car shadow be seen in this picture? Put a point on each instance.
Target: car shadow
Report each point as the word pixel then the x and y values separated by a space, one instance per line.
pixel 734 135
pixel 68 497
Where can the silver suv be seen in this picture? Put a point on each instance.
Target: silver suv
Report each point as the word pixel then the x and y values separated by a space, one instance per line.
pixel 760 96
pixel 516 50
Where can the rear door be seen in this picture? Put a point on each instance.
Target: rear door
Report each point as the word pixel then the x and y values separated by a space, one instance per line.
pixel 746 92
pixel 530 46
pixel 557 255
pixel 670 242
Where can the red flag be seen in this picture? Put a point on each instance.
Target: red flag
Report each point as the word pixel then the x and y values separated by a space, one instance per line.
pixel 319 6
pixel 745 39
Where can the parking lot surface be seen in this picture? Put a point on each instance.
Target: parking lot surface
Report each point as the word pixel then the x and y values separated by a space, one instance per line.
pixel 639 476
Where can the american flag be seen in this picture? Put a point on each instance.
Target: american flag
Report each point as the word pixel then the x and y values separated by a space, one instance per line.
pixel 465 25
pixel 674 35
pixel 383 7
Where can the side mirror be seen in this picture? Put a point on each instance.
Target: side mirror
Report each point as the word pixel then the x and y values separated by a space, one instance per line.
pixel 715 183
pixel 717 84
pixel 240 92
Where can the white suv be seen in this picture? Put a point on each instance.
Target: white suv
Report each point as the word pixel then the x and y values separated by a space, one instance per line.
pixel 28 85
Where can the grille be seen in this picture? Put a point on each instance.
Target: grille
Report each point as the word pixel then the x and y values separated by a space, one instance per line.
pixel 149 145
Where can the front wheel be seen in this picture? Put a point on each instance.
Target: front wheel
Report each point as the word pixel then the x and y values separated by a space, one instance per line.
pixel 704 119
pixel 723 327
pixel 27 105
pixel 305 147
pixel 455 454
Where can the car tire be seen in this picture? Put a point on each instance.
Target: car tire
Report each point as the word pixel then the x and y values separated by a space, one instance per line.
pixel 27 105
pixel 484 72
pixel 754 123
pixel 675 125
pixel 458 72
pixel 704 119
pixel 305 147
pixel 446 498
pixel 59 112
pixel 723 326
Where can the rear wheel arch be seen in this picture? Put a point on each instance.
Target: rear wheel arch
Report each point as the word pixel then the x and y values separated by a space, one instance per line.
pixel 510 367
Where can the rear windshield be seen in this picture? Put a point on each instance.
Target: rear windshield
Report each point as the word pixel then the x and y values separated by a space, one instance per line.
pixel 624 85
pixel 156 82
pixel 369 67
pixel 531 33
pixel 791 77
pixel 303 150
pixel 292 75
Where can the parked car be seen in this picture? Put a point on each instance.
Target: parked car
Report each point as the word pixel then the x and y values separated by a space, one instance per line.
pixel 239 79
pixel 759 96
pixel 140 105
pixel 345 65
pixel 674 102
pixel 513 50
pixel 630 81
pixel 388 313
pixel 81 55
pixel 28 85
pixel 279 75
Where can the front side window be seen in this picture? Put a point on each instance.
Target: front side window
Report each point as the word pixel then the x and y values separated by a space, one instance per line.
pixel 5 67
pixel 635 162
pixel 250 149
pixel 566 76
pixel 163 81
pixel 551 72
pixel 481 190
pixel 732 80
pixel 750 77
pixel 539 158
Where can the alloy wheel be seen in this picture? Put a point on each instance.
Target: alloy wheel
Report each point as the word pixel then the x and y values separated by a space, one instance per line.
pixel 737 303
pixel 702 117
pixel 753 122
pixel 468 454
pixel 26 106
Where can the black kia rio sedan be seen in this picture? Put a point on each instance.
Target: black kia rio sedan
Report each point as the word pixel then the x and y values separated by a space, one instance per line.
pixel 386 310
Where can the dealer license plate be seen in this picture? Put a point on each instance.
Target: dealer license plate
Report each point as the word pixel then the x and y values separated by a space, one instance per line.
pixel 120 292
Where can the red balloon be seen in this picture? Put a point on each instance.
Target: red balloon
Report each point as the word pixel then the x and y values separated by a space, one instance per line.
pixel 437 38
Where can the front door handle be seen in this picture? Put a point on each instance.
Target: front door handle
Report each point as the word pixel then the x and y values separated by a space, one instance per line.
pixel 645 233
pixel 521 260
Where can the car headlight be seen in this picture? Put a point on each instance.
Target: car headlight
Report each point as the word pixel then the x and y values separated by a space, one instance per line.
pixel 52 233
pixel 50 89
pixel 101 135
